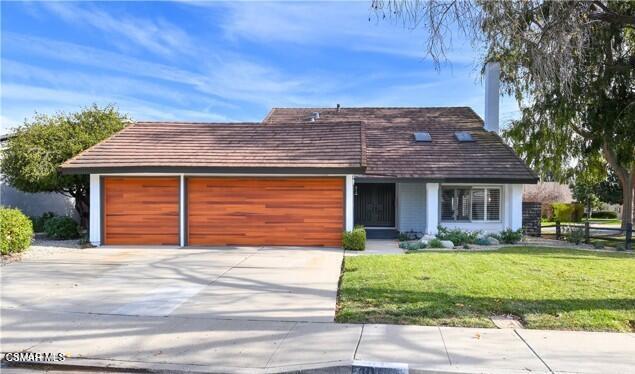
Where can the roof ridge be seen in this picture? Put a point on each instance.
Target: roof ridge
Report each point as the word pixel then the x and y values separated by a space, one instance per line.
pixel 373 107
pixel 255 124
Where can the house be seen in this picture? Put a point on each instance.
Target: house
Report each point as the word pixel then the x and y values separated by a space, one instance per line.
pixel 302 176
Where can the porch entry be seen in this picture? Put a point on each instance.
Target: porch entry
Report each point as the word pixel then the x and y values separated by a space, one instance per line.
pixel 374 205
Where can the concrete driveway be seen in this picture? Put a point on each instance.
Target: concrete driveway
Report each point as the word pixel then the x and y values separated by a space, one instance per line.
pixel 267 283
pixel 232 306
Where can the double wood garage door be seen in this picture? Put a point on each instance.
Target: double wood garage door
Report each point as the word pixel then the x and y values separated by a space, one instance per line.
pixel 224 211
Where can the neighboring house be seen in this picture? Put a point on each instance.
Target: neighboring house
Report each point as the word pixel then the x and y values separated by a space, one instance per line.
pixel 302 176
pixel 34 204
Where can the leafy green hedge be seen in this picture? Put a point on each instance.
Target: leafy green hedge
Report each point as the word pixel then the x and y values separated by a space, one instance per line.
pixel 38 222
pixel 61 228
pixel 604 214
pixel 354 240
pixel 567 212
pixel 16 231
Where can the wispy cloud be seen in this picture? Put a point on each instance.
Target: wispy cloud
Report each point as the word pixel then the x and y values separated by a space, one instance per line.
pixel 228 77
pixel 155 35
pixel 349 25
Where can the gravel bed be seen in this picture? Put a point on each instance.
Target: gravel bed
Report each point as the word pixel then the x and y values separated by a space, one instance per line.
pixel 42 248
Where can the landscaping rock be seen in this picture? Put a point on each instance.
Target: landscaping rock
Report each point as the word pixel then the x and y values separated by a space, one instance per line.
pixel 424 241
pixel 447 244
pixel 428 237
pixel 492 241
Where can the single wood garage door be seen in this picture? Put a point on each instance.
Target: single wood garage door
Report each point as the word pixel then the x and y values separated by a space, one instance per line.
pixel 265 211
pixel 141 210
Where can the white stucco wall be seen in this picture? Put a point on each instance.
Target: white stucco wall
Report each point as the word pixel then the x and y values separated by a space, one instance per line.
pixel 36 204
pixel 411 207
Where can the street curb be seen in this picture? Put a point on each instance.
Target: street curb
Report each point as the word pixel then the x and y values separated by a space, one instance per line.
pixel 113 366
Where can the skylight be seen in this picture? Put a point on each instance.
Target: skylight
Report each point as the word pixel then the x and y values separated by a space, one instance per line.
pixel 423 137
pixel 463 136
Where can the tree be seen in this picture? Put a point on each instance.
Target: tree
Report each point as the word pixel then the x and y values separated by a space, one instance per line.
pixel 35 150
pixel 584 186
pixel 570 66
pixel 609 190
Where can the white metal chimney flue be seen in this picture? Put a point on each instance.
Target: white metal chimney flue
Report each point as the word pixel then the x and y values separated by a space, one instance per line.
pixel 492 95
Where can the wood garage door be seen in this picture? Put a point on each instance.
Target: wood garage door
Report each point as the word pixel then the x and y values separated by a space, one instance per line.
pixel 141 210
pixel 265 211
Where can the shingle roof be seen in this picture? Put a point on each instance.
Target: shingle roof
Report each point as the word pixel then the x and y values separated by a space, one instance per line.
pixel 392 151
pixel 148 146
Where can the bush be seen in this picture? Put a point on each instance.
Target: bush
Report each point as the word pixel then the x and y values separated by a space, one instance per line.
pixel 574 235
pixel 481 241
pixel 604 214
pixel 412 245
pixel 567 212
pixel 61 228
pixel 16 231
pixel 509 236
pixel 435 243
pixel 457 236
pixel 38 222
pixel 354 240
pixel 598 244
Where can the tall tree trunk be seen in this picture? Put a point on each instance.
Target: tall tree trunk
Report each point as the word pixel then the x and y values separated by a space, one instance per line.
pixel 627 180
pixel 82 208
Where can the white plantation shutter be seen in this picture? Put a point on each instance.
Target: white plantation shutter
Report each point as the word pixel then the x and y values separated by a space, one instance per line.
pixel 470 204
pixel 493 204
pixel 478 204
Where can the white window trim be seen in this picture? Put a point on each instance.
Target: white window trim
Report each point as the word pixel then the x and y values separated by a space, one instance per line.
pixel 471 188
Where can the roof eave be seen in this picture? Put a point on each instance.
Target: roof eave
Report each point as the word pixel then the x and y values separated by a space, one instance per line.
pixel 70 170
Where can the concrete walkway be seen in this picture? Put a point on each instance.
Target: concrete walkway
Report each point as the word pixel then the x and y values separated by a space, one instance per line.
pixel 251 310
pixel 211 345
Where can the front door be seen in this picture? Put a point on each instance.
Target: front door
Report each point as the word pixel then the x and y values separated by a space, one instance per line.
pixel 375 204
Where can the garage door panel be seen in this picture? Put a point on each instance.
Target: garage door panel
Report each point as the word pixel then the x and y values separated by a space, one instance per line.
pixel 265 211
pixel 141 210
pixel 141 239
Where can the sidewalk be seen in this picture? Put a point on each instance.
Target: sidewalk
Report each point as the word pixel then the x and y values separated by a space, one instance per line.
pixel 246 346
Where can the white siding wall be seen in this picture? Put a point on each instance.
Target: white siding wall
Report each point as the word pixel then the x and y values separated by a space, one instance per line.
pixel 411 207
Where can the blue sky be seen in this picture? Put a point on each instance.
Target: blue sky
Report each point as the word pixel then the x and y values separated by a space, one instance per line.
pixel 220 61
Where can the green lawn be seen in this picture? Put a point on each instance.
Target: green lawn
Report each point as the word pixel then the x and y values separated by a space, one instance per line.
pixel 592 221
pixel 546 288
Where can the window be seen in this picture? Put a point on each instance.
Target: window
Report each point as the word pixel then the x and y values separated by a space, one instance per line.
pixel 470 204
pixel 422 137
pixel 463 136
pixel 455 204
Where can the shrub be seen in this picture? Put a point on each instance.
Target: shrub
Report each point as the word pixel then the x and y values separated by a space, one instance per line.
pixel 598 244
pixel 457 236
pixel 411 245
pixel 61 228
pixel 567 212
pixel 16 231
pixel 509 236
pixel 354 240
pixel 604 214
pixel 409 235
pixel 481 241
pixel 435 243
pixel 574 235
pixel 38 222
